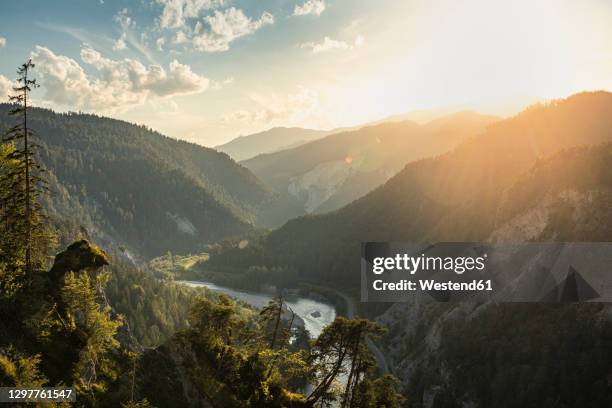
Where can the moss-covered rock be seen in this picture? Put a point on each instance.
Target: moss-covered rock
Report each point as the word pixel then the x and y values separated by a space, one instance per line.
pixel 80 255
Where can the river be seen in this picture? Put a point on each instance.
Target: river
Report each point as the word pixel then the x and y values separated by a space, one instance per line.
pixel 304 307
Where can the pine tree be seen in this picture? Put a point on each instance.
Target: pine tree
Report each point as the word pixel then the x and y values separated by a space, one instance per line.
pixel 342 349
pixel 271 318
pixel 25 237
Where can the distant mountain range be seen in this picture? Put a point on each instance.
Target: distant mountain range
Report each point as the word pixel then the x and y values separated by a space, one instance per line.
pixel 544 175
pixel 269 141
pixel 132 187
pixel 329 173
pixel 467 194
pixel 282 138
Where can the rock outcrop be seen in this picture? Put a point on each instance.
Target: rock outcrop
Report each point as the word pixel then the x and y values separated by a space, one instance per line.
pixel 80 255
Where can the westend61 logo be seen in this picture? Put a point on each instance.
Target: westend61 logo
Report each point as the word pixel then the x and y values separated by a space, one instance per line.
pixel 480 272
pixel 412 264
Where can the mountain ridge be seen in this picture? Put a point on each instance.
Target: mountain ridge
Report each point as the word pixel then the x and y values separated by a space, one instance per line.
pixel 269 141
pixel 141 189
pixel 330 172
pixel 452 197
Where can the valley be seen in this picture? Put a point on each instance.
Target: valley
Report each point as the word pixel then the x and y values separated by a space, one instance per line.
pixel 306 204
pixel 315 314
pixel 331 172
pixel 179 231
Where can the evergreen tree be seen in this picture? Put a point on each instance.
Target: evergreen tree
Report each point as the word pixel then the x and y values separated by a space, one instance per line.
pixel 342 349
pixel 24 234
pixel 271 318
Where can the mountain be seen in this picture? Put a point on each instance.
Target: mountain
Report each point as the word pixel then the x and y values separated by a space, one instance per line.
pixel 543 175
pixel 139 189
pixel 504 108
pixel 457 196
pixel 269 141
pixel 329 173
pixel 566 197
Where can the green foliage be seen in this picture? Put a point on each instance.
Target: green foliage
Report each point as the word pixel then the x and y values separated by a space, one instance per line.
pixel 171 267
pixel 342 349
pixel 153 309
pixel 522 355
pixel 61 330
pixel 85 315
pixel 61 326
pixel 17 370
pixel 21 184
pixel 228 359
pixel 137 404
pixel 380 393
pixel 141 189
pixel 213 319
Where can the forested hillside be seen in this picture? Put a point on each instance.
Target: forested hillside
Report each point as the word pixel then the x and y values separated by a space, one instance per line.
pixel 453 197
pixel 544 175
pixel 520 354
pixel 136 188
pixel 82 321
pixel 329 173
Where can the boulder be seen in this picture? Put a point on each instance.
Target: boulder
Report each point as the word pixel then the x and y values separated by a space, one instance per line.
pixel 80 255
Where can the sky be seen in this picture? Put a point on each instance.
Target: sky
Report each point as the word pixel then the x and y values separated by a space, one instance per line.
pixel 210 70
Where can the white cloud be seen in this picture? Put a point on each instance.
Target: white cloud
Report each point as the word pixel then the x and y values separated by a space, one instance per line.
pixel 220 84
pixel 123 19
pixel 2 42
pixel 180 38
pixel 292 110
pixel 129 37
pixel 6 88
pixel 117 86
pixel 226 26
pixel 212 32
pixel 329 44
pixel 359 41
pixel 310 7
pixel 160 43
pixel 120 44
pixel 176 12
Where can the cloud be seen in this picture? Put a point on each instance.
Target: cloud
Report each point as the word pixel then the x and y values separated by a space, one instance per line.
pixel 120 44
pixel 117 86
pixel 211 33
pixel 176 12
pixel 294 109
pixel 180 38
pixel 123 19
pixel 2 42
pixel 226 26
pixel 6 88
pixel 329 44
pixel 310 7
pixel 359 41
pixel 129 36
pixel 160 43
pixel 220 84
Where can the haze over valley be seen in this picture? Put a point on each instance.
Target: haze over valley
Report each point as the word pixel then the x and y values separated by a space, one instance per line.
pixel 186 187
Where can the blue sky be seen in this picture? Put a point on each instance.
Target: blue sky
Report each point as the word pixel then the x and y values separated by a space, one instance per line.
pixel 210 70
